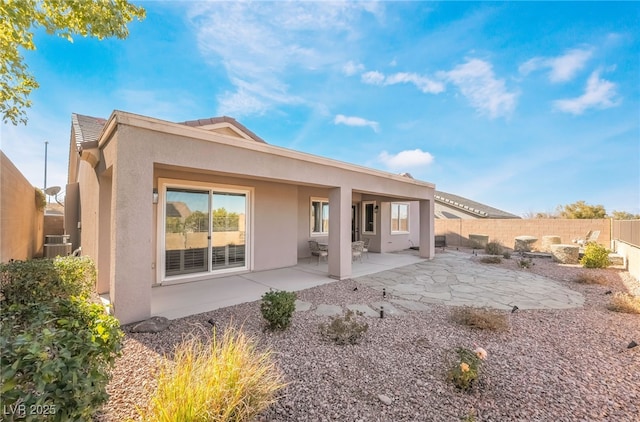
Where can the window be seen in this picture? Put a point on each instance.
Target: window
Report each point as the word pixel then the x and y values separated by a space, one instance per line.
pixel 369 217
pixel 204 228
pixel 319 216
pixel 399 217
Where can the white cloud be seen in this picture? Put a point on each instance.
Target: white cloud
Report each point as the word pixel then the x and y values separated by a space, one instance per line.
pixel 352 68
pixel 599 93
pixel 424 84
pixel 355 121
pixel 561 68
pixel 261 43
pixel 406 159
pixel 477 82
pixel 373 78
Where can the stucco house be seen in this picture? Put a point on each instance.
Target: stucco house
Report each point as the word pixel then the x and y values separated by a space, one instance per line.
pixel 156 203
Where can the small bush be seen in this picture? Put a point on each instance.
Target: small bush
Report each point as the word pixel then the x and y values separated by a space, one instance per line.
pixel 480 318
pixel 57 347
pixel 277 307
pixel 40 280
pixel 227 379
pixel 466 369
pixel 344 330
pixel 506 255
pixel 525 262
pixel 625 303
pixel 585 278
pixel 491 259
pixel 494 248
pixel 595 256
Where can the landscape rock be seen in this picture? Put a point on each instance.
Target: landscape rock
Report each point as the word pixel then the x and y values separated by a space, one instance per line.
pixel 385 399
pixel 154 324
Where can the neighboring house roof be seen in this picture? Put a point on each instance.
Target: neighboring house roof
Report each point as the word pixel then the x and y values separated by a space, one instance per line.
pixel 458 204
pixel 178 209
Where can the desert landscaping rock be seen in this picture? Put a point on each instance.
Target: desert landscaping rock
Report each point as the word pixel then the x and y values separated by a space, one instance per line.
pixel 550 365
pixel 365 310
pixel 151 325
pixel 385 399
pixel 565 254
pixel 302 306
pixel 328 310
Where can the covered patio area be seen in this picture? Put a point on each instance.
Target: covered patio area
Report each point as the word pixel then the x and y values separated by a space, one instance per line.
pixel 180 300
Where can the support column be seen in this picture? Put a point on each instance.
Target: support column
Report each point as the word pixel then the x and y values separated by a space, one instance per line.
pixel 131 234
pixel 427 248
pixel 340 233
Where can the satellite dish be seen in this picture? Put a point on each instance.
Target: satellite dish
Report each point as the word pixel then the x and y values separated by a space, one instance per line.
pixel 52 190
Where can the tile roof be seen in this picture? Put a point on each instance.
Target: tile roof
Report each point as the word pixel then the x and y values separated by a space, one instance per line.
pixel 87 128
pixel 470 207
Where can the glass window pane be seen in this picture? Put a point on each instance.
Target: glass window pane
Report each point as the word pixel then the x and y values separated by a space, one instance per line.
pixel 186 231
pixel 228 223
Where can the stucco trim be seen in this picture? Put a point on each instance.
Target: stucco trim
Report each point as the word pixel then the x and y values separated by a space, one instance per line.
pixel 149 123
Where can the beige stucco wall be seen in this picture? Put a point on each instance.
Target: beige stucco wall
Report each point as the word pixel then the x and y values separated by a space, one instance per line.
pixel 21 223
pixel 631 256
pixel 505 230
pixel 143 150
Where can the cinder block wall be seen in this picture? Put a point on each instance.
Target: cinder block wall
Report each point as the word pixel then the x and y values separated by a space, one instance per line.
pixel 505 230
pixel 21 223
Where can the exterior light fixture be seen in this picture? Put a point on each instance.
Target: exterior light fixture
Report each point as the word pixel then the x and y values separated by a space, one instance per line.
pixel 375 209
pixel 155 195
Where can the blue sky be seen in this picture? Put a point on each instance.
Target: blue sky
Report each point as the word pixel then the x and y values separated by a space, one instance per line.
pixel 522 106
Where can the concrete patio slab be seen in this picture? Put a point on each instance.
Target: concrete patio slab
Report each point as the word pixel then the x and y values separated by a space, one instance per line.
pixel 364 309
pixel 328 310
pixel 463 282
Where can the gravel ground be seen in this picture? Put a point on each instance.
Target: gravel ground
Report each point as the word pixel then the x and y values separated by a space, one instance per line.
pixel 564 365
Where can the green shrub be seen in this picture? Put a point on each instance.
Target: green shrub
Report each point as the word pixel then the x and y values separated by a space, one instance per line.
pixel 277 308
pixel 595 256
pixel 466 369
pixel 506 255
pixel 56 347
pixel 40 280
pixel 225 380
pixel 491 259
pixel 494 248
pixel 345 330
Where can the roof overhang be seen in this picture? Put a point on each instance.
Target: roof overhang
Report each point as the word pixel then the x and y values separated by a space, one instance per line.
pixel 148 123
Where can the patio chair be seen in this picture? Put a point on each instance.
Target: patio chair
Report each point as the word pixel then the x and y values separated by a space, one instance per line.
pixel 365 246
pixel 317 250
pixel 357 250
pixel 592 236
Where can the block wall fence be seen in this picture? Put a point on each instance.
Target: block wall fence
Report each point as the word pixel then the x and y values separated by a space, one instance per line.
pixel 505 230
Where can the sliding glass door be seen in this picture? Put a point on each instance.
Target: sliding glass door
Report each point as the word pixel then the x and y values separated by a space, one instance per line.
pixel 186 239
pixel 228 227
pixel 205 230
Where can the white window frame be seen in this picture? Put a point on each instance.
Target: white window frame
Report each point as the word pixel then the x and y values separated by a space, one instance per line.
pixel 163 185
pixel 322 202
pixel 399 204
pixel 364 217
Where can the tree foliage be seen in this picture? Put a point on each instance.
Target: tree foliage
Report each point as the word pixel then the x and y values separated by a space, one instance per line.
pixel 582 210
pixel 623 215
pixel 65 18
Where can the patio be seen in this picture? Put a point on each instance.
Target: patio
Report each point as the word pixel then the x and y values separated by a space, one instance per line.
pixel 180 300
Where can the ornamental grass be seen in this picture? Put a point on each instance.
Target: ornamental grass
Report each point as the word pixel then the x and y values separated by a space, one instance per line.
pixel 226 379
